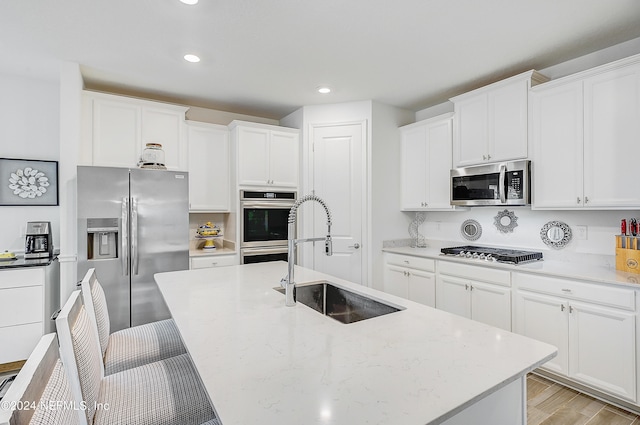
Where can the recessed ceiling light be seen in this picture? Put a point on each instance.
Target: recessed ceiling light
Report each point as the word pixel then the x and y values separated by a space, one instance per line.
pixel 324 90
pixel 189 2
pixel 191 58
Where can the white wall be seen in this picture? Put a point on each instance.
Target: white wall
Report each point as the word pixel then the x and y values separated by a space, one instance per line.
pixel 29 129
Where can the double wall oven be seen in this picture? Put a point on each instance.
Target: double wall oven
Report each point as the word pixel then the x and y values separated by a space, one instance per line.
pixel 263 225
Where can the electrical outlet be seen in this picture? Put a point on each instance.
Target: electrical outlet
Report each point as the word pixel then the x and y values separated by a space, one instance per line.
pixel 581 232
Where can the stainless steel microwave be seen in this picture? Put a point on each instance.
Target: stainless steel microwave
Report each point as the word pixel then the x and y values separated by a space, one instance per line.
pixel 504 183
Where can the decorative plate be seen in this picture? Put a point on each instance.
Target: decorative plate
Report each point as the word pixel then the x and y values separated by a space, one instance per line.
pixel 556 234
pixel 506 221
pixel 471 230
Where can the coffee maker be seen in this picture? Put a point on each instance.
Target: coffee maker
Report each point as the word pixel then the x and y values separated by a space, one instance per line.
pixel 38 243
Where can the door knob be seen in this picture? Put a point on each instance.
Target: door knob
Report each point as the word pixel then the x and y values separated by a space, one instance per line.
pixel 354 246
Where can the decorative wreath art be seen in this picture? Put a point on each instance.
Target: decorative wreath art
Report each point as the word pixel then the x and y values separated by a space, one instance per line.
pixel 28 183
pixel 505 221
pixel 471 230
pixel 556 234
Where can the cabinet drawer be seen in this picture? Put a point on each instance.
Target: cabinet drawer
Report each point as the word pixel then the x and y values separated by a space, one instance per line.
pixel 591 292
pixel 21 305
pixel 486 274
pixel 419 263
pixel 213 261
pixel 29 276
pixel 18 342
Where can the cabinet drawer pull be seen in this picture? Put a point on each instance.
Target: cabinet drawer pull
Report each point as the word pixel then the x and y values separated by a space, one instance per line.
pixel 568 291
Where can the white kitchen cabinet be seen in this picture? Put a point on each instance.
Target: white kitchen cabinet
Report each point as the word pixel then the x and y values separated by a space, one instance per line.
pixel 209 159
pixel 209 261
pixel 28 298
pixel 593 326
pixel 117 128
pixel 266 155
pixel 477 293
pixel 584 132
pixel 410 277
pixel 425 164
pixel 491 123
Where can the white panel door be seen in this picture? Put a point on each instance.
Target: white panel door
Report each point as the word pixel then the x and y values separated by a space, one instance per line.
pixel 439 153
pixel 602 344
pixel 491 304
pixel 545 318
pixel 208 168
pixel 395 281
pixel 165 127
pixel 611 137
pixel 414 168
pixel 557 161
pixel 116 133
pixel 470 132
pixel 338 179
pixel 422 287
pixel 508 122
pixel 253 156
pixel 452 295
pixel 284 159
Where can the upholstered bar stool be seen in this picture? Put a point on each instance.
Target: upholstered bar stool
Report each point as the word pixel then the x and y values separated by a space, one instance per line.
pixel 129 347
pixel 166 392
pixel 40 394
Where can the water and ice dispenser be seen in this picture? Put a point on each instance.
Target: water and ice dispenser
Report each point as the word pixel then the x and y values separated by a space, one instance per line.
pixel 102 238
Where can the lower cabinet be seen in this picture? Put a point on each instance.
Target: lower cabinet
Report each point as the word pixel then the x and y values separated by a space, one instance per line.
pixel 208 261
pixel 593 327
pixel 476 293
pixel 410 277
pixel 28 298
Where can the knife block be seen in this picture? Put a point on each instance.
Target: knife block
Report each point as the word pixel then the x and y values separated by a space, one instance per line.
pixel 627 258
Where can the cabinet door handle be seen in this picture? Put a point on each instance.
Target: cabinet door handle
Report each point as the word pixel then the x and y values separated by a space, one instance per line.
pixel 578 199
pixel 471 287
pixel 561 307
pixel 586 199
pixel 484 157
pixel 488 156
pixel 570 309
pixel 466 287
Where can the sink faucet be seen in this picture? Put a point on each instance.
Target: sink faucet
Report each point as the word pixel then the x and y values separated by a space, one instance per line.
pixel 288 281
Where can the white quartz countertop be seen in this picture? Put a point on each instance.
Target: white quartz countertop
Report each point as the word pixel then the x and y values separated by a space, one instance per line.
pixel 264 363
pixel 562 269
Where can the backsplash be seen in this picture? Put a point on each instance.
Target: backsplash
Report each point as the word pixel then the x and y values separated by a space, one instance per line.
pixel 443 229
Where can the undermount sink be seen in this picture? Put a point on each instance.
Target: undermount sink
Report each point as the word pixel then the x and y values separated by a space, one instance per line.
pixel 339 303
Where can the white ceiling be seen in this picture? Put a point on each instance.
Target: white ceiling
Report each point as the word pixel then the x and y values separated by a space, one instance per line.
pixel 266 57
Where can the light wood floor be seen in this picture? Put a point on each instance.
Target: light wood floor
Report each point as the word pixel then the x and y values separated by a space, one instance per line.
pixel 549 403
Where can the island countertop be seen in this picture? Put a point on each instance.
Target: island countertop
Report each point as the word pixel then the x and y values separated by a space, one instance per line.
pixel 264 363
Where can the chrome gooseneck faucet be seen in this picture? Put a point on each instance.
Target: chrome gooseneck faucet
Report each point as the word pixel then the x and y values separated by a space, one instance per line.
pixel 288 281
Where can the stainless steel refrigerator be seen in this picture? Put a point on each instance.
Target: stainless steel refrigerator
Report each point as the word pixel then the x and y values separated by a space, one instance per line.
pixel 132 223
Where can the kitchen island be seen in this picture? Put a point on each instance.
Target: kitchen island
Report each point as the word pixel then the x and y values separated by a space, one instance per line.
pixel 264 363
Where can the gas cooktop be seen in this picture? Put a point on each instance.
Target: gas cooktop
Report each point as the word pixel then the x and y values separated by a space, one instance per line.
pixel 511 256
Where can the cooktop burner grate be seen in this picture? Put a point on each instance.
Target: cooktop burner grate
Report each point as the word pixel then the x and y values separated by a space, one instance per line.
pixel 501 255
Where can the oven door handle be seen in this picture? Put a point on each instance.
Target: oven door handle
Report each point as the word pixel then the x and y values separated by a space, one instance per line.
pixel 263 251
pixel 274 204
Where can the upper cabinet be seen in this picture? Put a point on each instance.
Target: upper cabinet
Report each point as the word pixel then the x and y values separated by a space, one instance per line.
pixel 267 155
pixel 117 128
pixel 584 132
pixel 209 160
pixel 490 123
pixel 425 164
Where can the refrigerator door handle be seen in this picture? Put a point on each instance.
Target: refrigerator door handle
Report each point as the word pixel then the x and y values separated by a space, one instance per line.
pixel 125 236
pixel 134 236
